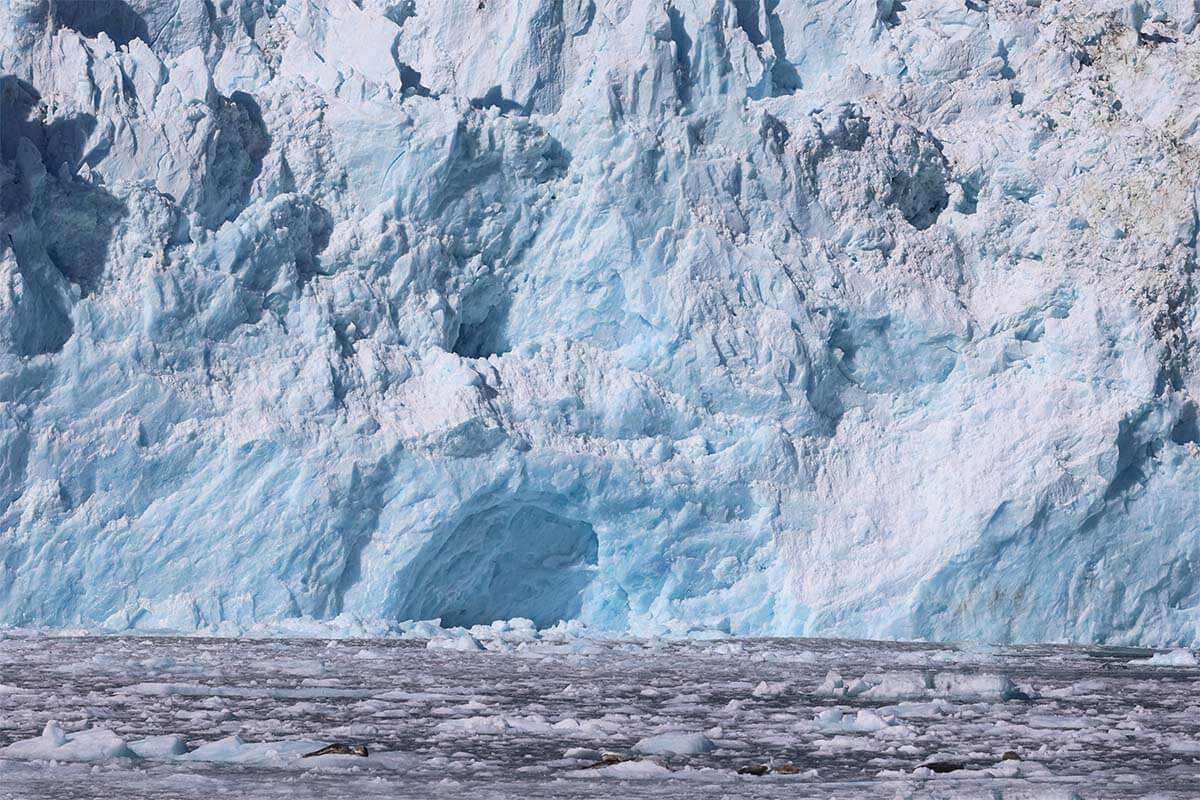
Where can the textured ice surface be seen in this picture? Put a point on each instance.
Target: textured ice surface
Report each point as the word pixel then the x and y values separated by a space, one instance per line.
pixel 861 318
pixel 561 715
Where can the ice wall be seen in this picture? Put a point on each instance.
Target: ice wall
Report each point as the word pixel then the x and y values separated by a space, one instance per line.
pixel 862 318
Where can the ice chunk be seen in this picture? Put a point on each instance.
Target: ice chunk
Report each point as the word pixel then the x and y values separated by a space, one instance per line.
pixel 95 744
pixel 864 720
pixel 626 770
pixel 913 685
pixel 769 688
pixel 674 743
pixel 1180 657
pixel 982 686
pixel 897 685
pixel 463 643
pixel 159 746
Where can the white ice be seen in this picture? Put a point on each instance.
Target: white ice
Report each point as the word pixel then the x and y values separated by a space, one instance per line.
pixel 835 317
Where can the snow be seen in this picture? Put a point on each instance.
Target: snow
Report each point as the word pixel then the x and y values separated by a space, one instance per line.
pixel 863 319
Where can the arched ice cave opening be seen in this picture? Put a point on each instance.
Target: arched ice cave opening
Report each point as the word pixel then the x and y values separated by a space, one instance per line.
pixel 514 560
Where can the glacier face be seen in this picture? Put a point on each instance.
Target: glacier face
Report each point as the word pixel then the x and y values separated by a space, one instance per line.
pixel 862 318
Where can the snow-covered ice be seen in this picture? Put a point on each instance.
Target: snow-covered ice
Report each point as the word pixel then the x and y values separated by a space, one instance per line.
pixel 1180 657
pixel 676 743
pixel 194 718
pixel 838 317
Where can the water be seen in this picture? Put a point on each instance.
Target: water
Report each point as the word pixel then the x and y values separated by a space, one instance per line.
pixel 1096 722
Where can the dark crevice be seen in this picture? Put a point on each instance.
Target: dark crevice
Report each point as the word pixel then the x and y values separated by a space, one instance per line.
pixel 1134 458
pixel 784 78
pixel 233 158
pixel 410 82
pixel 747 19
pixel 888 12
pixel 1186 430
pixel 482 325
pixel 90 18
pixel 494 98
pixel 683 55
pixel 75 219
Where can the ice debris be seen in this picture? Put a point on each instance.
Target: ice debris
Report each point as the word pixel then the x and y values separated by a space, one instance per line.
pixel 101 744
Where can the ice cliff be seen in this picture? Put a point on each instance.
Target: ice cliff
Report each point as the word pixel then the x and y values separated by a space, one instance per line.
pixel 850 317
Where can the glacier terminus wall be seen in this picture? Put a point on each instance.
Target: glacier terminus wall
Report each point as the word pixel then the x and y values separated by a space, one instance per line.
pixel 782 317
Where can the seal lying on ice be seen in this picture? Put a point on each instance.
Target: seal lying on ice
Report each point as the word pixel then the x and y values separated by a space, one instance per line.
pixel 338 749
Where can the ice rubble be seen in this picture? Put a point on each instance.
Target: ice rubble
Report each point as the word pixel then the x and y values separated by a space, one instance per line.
pixel 826 317
pixel 97 745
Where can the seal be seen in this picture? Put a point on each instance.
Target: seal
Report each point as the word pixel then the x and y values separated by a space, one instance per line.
pixel 339 749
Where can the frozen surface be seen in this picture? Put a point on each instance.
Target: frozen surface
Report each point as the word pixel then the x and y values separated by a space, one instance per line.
pixel 569 716
pixel 841 317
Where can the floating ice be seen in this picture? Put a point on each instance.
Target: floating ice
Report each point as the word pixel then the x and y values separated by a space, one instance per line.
pixel 159 747
pixel 102 745
pixel 628 770
pixel 676 743
pixel 1180 657
pixel 864 720
pixel 95 744
pixel 494 724
pixel 770 689
pixel 908 685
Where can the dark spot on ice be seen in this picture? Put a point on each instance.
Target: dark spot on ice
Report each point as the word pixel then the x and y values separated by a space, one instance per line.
pixel 410 82
pixel 1185 429
pixel 921 194
pixel 339 749
pixel 483 323
pixel 888 12
pixel 75 217
pixel 1154 38
pixel 233 158
pixel 494 98
pixel 90 18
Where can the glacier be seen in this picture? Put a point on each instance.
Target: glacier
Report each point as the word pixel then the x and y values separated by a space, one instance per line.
pixel 827 317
